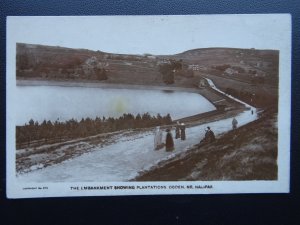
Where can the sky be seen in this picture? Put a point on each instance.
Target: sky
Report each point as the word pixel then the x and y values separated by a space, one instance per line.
pixel 152 34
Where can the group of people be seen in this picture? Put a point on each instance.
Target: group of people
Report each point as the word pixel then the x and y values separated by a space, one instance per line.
pixel 180 133
pixel 169 144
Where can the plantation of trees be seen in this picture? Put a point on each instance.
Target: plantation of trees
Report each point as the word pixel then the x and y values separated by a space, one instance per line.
pixel 47 130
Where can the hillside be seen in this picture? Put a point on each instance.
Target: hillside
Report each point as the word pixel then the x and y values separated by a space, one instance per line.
pixel 237 155
pixel 56 63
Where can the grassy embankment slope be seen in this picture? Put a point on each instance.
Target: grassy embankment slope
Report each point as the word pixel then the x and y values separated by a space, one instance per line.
pixel 237 155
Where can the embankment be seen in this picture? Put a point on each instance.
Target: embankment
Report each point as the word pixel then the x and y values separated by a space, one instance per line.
pixel 237 155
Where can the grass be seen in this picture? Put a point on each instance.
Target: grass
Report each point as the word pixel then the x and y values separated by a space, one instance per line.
pixel 237 155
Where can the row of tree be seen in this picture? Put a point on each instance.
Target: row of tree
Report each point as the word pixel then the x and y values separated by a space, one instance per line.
pixel 85 127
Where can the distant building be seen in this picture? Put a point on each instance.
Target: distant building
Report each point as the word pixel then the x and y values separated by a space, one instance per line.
pixel 202 83
pixel 163 61
pixel 230 71
pixel 151 57
pixel 91 63
pixel 194 67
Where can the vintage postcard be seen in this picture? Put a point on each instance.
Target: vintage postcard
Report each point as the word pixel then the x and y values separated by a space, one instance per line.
pixel 140 105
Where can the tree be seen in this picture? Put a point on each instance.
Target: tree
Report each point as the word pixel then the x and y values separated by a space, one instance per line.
pixel 168 119
pixel 167 73
pixel 31 122
pixel 168 69
pixel 100 73
pixel 177 65
pixel 168 78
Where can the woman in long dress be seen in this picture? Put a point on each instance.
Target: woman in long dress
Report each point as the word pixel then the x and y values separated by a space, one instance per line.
pixel 158 139
pixel 169 141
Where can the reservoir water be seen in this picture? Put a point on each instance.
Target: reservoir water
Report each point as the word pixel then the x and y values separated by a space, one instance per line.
pixel 55 102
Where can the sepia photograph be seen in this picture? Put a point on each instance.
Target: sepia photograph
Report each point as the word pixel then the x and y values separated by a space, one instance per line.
pixel 137 105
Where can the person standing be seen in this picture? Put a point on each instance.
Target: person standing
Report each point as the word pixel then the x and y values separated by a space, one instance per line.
pixel 177 130
pixel 169 141
pixel 182 131
pixel 158 139
pixel 234 123
pixel 211 135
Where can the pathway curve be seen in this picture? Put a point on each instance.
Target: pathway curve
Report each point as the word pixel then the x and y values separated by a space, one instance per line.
pixel 124 159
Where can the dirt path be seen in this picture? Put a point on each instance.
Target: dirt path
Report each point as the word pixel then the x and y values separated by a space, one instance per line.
pixel 236 155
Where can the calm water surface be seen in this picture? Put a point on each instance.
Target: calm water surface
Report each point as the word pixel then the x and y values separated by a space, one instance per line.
pixel 64 103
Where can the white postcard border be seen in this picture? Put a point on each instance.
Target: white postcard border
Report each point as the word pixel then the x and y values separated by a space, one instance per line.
pixel 16 189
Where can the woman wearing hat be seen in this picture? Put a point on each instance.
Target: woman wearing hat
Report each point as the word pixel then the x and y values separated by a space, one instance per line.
pixel 158 139
pixel 169 141
pixel 209 136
